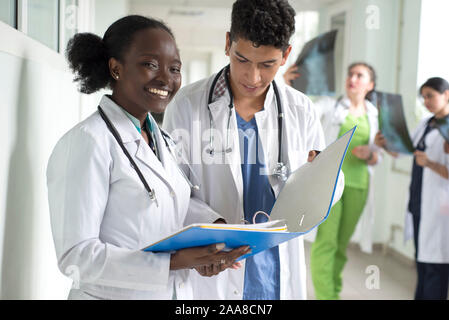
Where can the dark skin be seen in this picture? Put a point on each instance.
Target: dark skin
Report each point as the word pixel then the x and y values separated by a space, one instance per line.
pixel 149 76
pixel 145 80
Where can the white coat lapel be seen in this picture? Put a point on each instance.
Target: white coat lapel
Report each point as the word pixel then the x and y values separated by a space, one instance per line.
pixel 220 116
pixel 373 115
pixel 168 160
pixel 267 122
pixel 122 124
pixel 220 113
pixel 146 156
pixel 131 138
pixel 267 125
pixel 341 112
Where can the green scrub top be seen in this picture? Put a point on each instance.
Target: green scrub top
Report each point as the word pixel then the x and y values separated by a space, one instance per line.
pixel 355 169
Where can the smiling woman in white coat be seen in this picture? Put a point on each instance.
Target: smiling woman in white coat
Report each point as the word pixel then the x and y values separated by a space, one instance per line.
pixel 427 218
pixel 114 186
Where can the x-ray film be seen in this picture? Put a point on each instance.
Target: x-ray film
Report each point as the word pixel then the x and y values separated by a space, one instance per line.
pixel 316 66
pixel 392 122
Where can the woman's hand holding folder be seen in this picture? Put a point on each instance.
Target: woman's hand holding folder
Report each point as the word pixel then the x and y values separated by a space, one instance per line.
pixel 208 260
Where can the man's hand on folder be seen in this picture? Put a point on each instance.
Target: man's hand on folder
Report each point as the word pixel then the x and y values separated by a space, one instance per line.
pixel 312 155
pixel 209 260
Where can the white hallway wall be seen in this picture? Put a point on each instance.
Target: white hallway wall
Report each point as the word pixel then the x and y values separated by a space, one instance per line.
pixel 39 103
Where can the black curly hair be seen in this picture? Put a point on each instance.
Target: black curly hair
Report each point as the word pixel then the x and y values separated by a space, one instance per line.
pixel 88 54
pixel 264 22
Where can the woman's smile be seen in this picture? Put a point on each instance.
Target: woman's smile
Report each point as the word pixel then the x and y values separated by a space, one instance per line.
pixel 159 93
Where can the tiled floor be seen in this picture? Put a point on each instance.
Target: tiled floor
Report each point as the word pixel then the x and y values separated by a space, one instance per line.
pixel 396 279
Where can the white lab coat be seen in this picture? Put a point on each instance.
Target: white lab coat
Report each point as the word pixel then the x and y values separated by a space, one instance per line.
pixel 433 237
pixel 332 116
pixel 102 216
pixel 220 176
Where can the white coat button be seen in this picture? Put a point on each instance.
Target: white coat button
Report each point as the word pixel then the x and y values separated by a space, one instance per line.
pixel 181 285
pixel 236 292
pixel 172 194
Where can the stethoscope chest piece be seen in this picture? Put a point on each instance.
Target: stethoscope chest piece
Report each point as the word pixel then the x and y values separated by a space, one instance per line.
pixel 152 195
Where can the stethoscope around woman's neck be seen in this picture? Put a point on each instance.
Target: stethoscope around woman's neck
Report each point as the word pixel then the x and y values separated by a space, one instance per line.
pixel 281 170
pixel 151 192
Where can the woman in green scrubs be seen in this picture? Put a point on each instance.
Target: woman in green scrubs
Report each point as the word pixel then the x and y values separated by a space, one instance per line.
pixel 328 253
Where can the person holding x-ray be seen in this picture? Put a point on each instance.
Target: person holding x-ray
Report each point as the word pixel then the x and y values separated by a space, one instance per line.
pixel 244 133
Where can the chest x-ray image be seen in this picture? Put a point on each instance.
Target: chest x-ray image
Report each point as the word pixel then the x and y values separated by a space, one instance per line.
pixel 392 122
pixel 316 66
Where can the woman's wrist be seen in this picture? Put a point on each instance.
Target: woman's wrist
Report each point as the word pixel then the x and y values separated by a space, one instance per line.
pixel 174 265
pixel 437 168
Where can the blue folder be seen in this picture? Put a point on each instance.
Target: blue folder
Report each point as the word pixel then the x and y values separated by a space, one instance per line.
pixel 203 235
pixel 264 236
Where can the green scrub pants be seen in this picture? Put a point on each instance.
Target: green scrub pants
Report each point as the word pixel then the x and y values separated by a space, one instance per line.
pixel 328 253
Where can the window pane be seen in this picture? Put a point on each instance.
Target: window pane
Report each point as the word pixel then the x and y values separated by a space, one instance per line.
pixel 43 21
pixel 70 21
pixel 8 12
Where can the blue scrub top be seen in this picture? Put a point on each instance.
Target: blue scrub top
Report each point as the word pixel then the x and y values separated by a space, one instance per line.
pixel 262 271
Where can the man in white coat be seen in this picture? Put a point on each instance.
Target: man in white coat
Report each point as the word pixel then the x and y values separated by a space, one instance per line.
pixel 232 127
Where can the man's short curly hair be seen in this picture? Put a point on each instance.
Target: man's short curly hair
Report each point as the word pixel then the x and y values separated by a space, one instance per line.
pixel 264 22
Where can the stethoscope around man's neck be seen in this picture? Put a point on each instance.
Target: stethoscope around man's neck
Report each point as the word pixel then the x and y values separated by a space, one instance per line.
pixel 281 170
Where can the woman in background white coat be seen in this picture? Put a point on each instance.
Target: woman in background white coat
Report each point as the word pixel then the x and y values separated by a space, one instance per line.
pixel 102 212
pixel 427 218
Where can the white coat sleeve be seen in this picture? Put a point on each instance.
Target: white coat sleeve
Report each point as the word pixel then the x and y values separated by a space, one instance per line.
pixel 178 123
pixel 374 147
pixel 317 142
pixel 78 185
pixel 324 106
